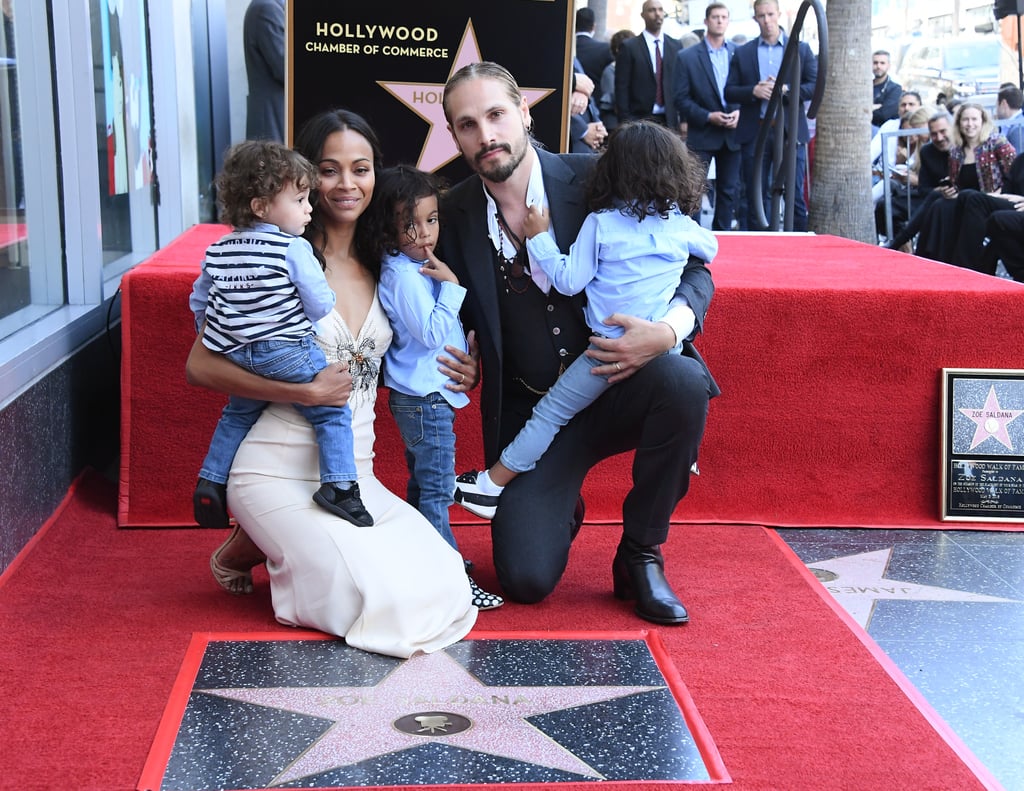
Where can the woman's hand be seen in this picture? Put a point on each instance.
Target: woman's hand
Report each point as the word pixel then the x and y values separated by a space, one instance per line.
pixel 205 368
pixel 331 387
pixel 624 356
pixel 462 367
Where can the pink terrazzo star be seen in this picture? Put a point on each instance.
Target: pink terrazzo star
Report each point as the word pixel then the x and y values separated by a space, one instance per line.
pixel 428 686
pixel 991 421
pixel 424 99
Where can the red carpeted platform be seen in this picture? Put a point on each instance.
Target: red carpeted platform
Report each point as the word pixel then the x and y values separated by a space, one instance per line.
pixel 828 352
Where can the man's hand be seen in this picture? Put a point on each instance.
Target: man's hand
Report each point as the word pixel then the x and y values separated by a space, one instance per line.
pixel 595 135
pixel 462 368
pixel 578 102
pixel 763 90
pixel 727 120
pixel 622 357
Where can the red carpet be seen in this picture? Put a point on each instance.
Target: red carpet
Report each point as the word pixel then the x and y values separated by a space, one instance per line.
pixel 95 623
pixel 828 352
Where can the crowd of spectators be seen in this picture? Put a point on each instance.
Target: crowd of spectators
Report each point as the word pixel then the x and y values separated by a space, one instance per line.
pixel 948 177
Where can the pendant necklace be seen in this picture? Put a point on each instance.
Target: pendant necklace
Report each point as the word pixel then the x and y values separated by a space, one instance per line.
pixel 513 270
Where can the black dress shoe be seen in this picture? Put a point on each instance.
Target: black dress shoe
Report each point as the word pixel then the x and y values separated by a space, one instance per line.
pixel 638 572
pixel 344 503
pixel 209 504
pixel 578 515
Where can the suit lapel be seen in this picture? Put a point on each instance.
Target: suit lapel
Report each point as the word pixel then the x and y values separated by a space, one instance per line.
pixel 478 253
pixel 565 202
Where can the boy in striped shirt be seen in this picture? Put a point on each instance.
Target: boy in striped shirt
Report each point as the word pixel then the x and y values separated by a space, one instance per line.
pixel 256 301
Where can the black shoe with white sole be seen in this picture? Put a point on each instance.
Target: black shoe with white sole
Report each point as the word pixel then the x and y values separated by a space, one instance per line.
pixel 470 497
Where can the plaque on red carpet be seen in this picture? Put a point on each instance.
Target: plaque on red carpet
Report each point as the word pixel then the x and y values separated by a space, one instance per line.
pixel 982 445
pixel 259 711
pixel 389 63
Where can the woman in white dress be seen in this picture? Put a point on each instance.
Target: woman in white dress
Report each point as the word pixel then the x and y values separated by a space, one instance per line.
pixel 396 588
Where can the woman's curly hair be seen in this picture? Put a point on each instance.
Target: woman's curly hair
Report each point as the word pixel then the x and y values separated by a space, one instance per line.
pixel 649 169
pixel 259 169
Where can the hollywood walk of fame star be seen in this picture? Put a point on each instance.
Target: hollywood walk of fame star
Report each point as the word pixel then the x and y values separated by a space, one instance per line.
pixel 858 581
pixel 991 421
pixel 424 99
pixel 426 688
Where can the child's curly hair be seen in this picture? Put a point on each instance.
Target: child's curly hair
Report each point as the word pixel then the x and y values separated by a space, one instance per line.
pixel 396 191
pixel 258 169
pixel 650 169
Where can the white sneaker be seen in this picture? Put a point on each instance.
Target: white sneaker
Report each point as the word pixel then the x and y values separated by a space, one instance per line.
pixel 470 497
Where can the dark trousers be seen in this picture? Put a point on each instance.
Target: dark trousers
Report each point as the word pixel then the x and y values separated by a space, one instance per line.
pixel 1005 231
pixel 660 412
pixel 727 184
pixel 975 208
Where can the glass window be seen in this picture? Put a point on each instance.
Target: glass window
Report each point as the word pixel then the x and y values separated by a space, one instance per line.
pixel 124 121
pixel 15 281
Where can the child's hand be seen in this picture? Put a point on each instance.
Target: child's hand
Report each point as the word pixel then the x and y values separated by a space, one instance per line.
pixel 438 269
pixel 537 221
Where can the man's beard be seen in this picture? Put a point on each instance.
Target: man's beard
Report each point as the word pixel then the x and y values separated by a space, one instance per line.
pixel 499 173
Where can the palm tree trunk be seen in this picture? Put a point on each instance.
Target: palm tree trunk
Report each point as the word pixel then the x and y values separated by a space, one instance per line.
pixel 841 201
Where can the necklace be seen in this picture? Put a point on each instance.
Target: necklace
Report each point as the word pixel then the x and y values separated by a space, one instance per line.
pixel 513 270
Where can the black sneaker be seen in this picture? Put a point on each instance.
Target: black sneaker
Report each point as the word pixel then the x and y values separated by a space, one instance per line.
pixel 344 503
pixel 469 496
pixel 209 504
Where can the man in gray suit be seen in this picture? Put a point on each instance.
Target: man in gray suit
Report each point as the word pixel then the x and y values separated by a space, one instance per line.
pixel 700 76
pixel 263 36
pixel 524 332
pixel 643 72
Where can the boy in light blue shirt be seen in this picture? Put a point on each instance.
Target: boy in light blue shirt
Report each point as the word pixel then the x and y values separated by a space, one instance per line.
pixel 422 298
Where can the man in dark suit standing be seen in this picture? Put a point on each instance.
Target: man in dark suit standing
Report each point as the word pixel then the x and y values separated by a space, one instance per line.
pixel 700 77
pixel 644 71
pixel 263 36
pixel 752 75
pixel 592 54
pixel 524 333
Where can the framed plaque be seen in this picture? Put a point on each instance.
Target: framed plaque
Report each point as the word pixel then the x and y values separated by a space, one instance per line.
pixel 982 445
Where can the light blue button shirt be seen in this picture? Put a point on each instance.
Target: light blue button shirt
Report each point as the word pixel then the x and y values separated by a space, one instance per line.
pixel 424 315
pixel 624 265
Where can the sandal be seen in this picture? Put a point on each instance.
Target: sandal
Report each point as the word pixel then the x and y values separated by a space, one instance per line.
pixel 232 580
pixel 483 600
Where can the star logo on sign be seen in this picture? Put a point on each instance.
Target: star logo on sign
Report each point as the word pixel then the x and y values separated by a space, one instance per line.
pixel 430 697
pixel 991 421
pixel 858 581
pixel 424 99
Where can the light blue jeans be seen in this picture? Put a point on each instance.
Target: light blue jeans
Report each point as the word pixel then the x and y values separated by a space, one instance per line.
pixel 576 389
pixel 427 426
pixel 283 361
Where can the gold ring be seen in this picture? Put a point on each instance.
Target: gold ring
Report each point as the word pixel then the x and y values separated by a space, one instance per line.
pixel 617 366
pixel 462 378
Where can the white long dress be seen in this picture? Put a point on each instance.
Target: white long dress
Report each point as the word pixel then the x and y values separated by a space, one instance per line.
pixel 396 588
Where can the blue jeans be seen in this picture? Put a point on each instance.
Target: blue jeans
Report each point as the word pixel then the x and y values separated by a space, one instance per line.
pixel 427 426
pixel 576 389
pixel 284 361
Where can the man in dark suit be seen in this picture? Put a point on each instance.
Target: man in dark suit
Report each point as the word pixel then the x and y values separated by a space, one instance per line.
pixel 700 78
pixel 263 37
pixel 593 55
pixel 752 75
pixel 525 333
pixel 643 71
